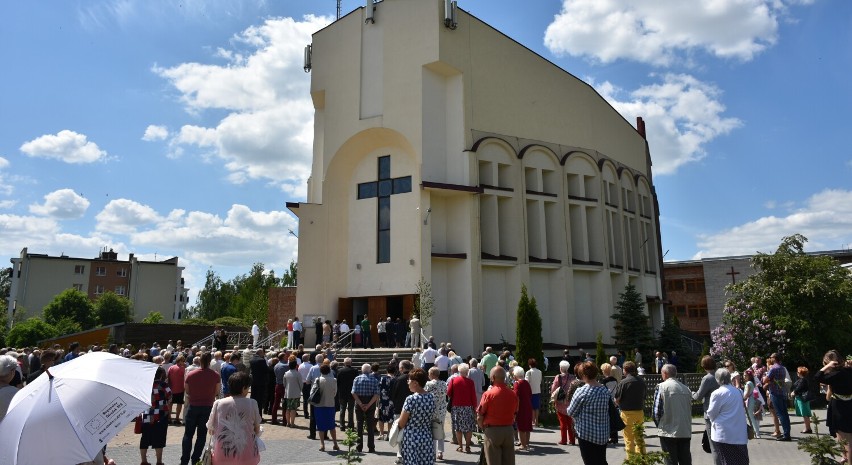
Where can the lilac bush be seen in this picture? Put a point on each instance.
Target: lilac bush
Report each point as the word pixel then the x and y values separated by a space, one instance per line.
pixel 746 331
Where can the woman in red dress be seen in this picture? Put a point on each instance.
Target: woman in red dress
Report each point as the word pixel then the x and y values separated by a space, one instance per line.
pixel 524 418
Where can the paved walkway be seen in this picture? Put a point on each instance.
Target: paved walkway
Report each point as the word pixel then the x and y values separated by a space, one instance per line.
pixel 290 446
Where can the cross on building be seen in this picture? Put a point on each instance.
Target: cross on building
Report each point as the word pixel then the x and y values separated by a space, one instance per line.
pixel 733 274
pixel 382 190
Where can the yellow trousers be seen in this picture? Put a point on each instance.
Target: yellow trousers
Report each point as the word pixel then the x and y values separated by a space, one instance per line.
pixel 630 418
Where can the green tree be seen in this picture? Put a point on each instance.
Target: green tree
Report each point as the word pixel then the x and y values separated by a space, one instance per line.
pixel 632 329
pixel 73 304
pixel 809 296
pixel 153 318
pixel 289 278
pixel 528 340
pixel 67 326
pixel 30 331
pixel 5 287
pixel 669 339
pixel 705 350
pixel 600 355
pixel 214 299
pixel 112 308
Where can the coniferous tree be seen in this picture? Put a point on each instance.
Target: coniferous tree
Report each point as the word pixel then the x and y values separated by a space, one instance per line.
pixel 632 328
pixel 528 341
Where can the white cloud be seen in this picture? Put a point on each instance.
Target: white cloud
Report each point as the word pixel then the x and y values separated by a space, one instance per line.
pixel 123 216
pixel 681 114
pixel 825 219
pixel 155 133
pixel 62 204
pixel 7 204
pixel 67 146
pixel 268 132
pixel 43 235
pixel 664 31
pixel 5 187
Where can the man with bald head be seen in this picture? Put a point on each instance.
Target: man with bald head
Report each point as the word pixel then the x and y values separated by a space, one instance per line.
pixel 672 413
pixel 495 416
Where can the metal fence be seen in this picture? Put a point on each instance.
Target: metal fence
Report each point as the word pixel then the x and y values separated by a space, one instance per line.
pixel 692 381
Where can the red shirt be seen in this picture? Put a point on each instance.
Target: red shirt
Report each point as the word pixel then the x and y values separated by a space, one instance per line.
pixel 176 378
pixel 462 392
pixel 498 406
pixel 202 387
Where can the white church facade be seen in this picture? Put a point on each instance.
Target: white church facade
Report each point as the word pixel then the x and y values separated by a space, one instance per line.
pixel 445 150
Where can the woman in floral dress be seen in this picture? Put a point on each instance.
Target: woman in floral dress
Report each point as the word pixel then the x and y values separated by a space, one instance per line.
pixel 234 423
pixel 438 389
pixel 385 412
pixel 416 422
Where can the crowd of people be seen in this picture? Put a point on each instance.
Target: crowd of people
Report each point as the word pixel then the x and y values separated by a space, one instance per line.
pixel 220 398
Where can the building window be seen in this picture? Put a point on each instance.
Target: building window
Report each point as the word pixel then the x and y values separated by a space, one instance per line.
pixel 695 285
pixel 79 269
pixel 99 289
pixel 100 271
pixel 122 272
pixel 119 290
pixel 78 287
pixel 674 285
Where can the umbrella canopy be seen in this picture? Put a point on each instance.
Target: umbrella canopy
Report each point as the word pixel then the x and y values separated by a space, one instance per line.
pixel 68 415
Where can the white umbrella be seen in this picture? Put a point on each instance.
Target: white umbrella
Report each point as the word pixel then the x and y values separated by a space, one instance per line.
pixel 68 415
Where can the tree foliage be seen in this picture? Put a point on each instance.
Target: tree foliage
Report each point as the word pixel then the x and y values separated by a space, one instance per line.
pixel 745 332
pixel 30 331
pixel 600 355
pixel 669 339
pixel 632 328
pixel 528 340
pixel 153 318
pixel 72 304
pixel 5 287
pixel 111 308
pixel 289 277
pixel 424 305
pixel 245 297
pixel 809 296
pixel 67 326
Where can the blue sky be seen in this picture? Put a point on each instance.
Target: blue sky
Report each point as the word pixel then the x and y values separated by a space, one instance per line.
pixel 181 128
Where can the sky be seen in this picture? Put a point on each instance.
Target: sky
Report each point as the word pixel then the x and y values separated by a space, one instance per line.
pixel 166 128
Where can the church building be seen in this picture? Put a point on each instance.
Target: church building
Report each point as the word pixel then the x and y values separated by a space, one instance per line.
pixel 444 150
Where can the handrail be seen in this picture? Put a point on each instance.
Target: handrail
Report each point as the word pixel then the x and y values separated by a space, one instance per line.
pixel 271 337
pixel 208 339
pixel 350 336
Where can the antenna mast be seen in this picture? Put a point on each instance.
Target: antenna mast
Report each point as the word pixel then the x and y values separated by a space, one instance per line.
pixel 338 9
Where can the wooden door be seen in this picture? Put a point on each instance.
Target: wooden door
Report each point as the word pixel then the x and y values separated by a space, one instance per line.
pixel 377 310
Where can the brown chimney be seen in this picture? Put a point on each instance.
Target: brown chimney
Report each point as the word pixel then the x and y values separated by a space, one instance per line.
pixel 640 126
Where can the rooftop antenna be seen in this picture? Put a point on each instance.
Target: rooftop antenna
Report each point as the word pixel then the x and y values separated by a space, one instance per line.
pixel 338 9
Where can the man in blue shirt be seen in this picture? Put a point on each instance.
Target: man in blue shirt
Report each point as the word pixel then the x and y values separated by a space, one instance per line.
pixel 365 391
pixel 774 384
pixel 228 369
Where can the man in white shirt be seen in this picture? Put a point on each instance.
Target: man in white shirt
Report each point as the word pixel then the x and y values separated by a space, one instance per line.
pixel 443 364
pixel 344 328
pixel 534 377
pixel 216 364
pixel 304 369
pixel 255 334
pixel 616 370
pixel 428 358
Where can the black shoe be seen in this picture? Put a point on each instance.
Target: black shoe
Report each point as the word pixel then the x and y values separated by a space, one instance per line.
pixel 314 438
pixel 784 439
pixel 358 449
pixel 371 450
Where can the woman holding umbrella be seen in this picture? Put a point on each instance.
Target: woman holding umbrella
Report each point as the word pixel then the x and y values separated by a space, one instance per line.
pixel 155 422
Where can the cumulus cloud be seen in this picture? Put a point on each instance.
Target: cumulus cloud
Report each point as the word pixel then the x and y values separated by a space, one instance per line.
pixel 5 187
pixel 268 131
pixel 43 235
pixel 67 146
pixel 123 216
pixel 663 32
pixel 825 219
pixel 6 204
pixel 62 204
pixel 681 114
pixel 155 133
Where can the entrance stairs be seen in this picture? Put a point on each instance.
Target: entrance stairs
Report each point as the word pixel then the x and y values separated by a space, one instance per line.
pixel 378 355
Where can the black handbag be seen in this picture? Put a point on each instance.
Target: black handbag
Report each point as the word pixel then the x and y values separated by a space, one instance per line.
pixel 705 442
pixel 316 392
pixel 615 421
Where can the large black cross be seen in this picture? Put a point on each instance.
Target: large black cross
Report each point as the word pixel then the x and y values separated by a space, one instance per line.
pixel 383 189
pixel 733 274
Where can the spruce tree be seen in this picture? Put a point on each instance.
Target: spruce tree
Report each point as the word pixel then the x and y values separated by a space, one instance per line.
pixel 632 328
pixel 528 341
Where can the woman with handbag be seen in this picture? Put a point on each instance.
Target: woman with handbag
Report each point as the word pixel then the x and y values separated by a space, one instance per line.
pixel 559 390
pixel 235 425
pixel 438 389
pixel 154 423
pixel 462 395
pixel 324 409
pixel 801 394
pixel 418 410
